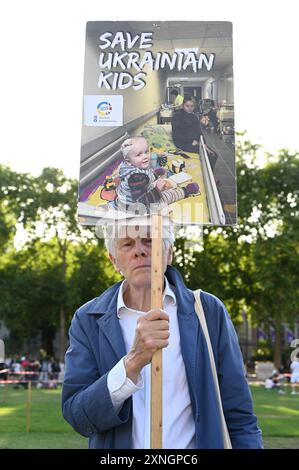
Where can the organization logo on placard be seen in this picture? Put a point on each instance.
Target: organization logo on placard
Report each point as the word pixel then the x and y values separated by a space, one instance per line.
pixel 103 110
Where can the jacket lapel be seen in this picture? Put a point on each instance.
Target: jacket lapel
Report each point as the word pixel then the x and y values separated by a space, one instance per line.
pixel 189 326
pixel 110 327
pixel 189 330
pixel 105 307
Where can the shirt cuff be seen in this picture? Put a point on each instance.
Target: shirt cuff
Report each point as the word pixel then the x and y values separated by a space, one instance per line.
pixel 120 386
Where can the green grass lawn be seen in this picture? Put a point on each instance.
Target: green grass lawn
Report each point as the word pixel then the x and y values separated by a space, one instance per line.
pixel 278 417
pixel 48 429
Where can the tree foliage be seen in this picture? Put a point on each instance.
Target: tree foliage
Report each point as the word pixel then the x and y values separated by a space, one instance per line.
pixel 252 267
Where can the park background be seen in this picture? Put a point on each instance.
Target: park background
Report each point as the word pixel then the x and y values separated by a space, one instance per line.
pixel 49 265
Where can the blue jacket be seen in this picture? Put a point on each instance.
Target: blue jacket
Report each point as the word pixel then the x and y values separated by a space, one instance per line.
pixel 97 344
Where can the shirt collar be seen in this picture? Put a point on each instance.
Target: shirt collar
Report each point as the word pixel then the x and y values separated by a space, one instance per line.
pixel 167 294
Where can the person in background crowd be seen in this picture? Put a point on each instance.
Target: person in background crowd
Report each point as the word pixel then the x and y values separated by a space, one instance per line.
pixel 16 367
pixel 45 369
pixel 25 363
pixel 3 371
pixel 34 366
pixel 273 382
pixel 61 373
pixel 294 376
pixel 55 369
pixel 178 100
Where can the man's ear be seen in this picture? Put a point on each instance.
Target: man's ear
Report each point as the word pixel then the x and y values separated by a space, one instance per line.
pixel 113 261
pixel 170 255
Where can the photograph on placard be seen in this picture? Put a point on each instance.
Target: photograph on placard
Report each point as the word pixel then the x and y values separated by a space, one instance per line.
pixel 158 122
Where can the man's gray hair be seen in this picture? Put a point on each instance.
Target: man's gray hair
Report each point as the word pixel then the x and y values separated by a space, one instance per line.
pixel 114 232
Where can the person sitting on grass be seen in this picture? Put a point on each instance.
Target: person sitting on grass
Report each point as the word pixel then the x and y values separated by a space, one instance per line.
pixel 273 382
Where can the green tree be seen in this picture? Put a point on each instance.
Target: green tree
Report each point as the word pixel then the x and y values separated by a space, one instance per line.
pixel 47 263
pixel 253 266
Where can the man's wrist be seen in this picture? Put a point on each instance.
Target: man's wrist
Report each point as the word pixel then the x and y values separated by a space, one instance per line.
pixel 132 370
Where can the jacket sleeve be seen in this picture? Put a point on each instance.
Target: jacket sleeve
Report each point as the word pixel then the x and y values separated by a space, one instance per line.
pixel 235 393
pixel 195 130
pixel 86 400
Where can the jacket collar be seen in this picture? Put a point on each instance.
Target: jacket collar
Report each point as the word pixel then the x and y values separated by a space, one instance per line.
pixel 106 304
pixel 168 292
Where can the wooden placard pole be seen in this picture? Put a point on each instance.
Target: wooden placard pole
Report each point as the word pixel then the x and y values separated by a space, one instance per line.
pixel 28 407
pixel 156 302
pixel 4 395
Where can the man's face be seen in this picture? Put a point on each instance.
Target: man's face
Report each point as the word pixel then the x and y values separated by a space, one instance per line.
pixel 133 258
pixel 139 155
pixel 189 106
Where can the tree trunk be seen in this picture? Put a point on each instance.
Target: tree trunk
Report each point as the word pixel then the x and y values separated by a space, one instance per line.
pixel 277 345
pixel 62 315
pixel 48 334
pixel 62 335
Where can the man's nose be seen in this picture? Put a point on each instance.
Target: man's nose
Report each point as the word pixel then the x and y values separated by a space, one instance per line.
pixel 140 249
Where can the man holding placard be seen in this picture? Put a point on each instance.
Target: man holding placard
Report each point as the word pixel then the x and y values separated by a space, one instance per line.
pixel 106 392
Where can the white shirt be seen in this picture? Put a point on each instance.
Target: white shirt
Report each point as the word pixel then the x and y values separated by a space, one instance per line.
pixel 295 367
pixel 178 421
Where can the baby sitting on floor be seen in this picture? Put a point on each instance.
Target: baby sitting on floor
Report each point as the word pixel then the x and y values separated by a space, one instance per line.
pixel 140 183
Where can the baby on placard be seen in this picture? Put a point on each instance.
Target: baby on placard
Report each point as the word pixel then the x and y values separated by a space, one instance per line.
pixel 139 182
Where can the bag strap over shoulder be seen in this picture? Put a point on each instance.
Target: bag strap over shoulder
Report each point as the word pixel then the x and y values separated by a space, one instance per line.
pixel 202 320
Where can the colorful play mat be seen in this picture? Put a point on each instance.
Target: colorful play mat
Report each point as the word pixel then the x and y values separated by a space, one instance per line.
pixel 181 168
